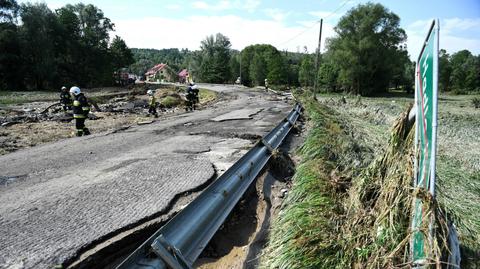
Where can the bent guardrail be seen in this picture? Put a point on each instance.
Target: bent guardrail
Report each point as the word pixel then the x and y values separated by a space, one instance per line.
pixel 179 242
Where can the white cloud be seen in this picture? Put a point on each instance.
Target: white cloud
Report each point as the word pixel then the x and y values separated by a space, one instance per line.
pixel 248 5
pixel 456 24
pixel 276 14
pixel 157 32
pixel 455 34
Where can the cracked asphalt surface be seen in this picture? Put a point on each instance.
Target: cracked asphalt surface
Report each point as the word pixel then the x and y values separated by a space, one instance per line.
pixel 58 198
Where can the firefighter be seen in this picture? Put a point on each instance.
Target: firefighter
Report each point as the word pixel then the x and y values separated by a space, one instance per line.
pixel 65 99
pixel 152 104
pixel 190 96
pixel 195 94
pixel 81 108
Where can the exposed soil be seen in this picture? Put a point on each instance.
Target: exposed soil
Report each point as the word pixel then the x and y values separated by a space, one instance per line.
pixel 239 242
pixel 33 123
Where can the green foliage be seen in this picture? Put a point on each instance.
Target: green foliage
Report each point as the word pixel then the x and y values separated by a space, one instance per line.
pixel 260 62
pixel 215 59
pixel 50 49
pixel 171 101
pixel 445 72
pixel 10 56
pixel 258 69
pixel 465 74
pixel 306 75
pixel 38 42
pixel 121 54
pixel 305 233
pixel 327 73
pixel 145 59
pixel 460 72
pixel 366 48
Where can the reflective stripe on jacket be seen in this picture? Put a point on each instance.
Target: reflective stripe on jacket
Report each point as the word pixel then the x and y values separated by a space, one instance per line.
pixel 81 107
pixel 152 101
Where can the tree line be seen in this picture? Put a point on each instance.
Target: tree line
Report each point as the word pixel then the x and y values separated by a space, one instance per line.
pixel 367 56
pixel 44 49
pixel 70 45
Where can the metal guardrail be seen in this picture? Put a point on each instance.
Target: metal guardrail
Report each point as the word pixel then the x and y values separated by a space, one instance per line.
pixel 179 242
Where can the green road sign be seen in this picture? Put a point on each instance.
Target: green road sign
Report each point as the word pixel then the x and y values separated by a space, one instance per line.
pixel 426 88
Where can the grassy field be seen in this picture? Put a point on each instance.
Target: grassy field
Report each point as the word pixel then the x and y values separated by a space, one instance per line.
pixel 12 97
pixel 322 227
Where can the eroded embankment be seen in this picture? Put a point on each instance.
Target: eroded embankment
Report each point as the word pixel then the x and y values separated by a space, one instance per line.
pixel 240 240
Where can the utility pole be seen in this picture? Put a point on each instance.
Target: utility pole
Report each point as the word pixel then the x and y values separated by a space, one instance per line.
pixel 317 61
pixel 240 67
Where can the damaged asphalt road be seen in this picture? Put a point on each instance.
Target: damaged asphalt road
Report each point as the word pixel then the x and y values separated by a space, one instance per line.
pixel 58 198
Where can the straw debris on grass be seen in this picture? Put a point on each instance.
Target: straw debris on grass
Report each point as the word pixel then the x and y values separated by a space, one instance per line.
pixel 345 210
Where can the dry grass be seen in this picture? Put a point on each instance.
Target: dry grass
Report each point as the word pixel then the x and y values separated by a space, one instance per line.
pixel 458 157
pixel 347 211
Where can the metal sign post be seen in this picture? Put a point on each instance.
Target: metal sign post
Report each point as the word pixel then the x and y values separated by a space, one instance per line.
pixel 426 88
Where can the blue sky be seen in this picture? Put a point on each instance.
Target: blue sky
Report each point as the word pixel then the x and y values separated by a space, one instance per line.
pixel 290 25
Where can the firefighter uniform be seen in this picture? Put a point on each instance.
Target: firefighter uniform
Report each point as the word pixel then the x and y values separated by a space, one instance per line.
pixel 152 106
pixel 190 96
pixel 66 100
pixel 81 108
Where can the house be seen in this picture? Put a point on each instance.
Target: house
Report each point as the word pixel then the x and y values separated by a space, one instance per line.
pixel 183 76
pixel 160 73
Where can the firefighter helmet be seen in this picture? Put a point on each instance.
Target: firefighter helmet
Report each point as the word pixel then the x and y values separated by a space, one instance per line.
pixel 75 90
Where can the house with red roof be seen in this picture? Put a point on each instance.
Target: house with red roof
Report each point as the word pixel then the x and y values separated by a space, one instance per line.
pixel 160 73
pixel 183 76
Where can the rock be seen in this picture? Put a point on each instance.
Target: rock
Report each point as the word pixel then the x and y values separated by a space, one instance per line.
pixel 145 122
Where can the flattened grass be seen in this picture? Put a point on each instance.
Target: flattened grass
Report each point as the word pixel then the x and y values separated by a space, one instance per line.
pixel 305 235
pixel 345 210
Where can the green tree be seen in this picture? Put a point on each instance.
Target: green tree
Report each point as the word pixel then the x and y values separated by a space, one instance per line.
pixel 234 66
pixel 215 59
pixel 121 55
pixel 10 57
pixel 328 73
pixel 445 71
pixel 258 69
pixel 367 43
pixel 465 71
pixel 69 48
pixel 306 74
pixel 263 61
pixel 38 45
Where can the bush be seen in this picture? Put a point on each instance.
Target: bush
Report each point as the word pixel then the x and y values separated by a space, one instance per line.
pixel 171 101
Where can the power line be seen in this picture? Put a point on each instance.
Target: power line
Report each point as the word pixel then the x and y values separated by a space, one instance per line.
pixel 310 27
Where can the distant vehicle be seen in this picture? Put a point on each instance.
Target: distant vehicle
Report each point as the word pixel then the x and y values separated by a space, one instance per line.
pixel 238 81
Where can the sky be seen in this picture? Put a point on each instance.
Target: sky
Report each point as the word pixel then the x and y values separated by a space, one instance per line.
pixel 285 24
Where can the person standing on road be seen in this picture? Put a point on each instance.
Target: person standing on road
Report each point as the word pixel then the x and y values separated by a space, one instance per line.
pixel 196 94
pixel 152 104
pixel 65 99
pixel 81 108
pixel 190 96
pixel 266 84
